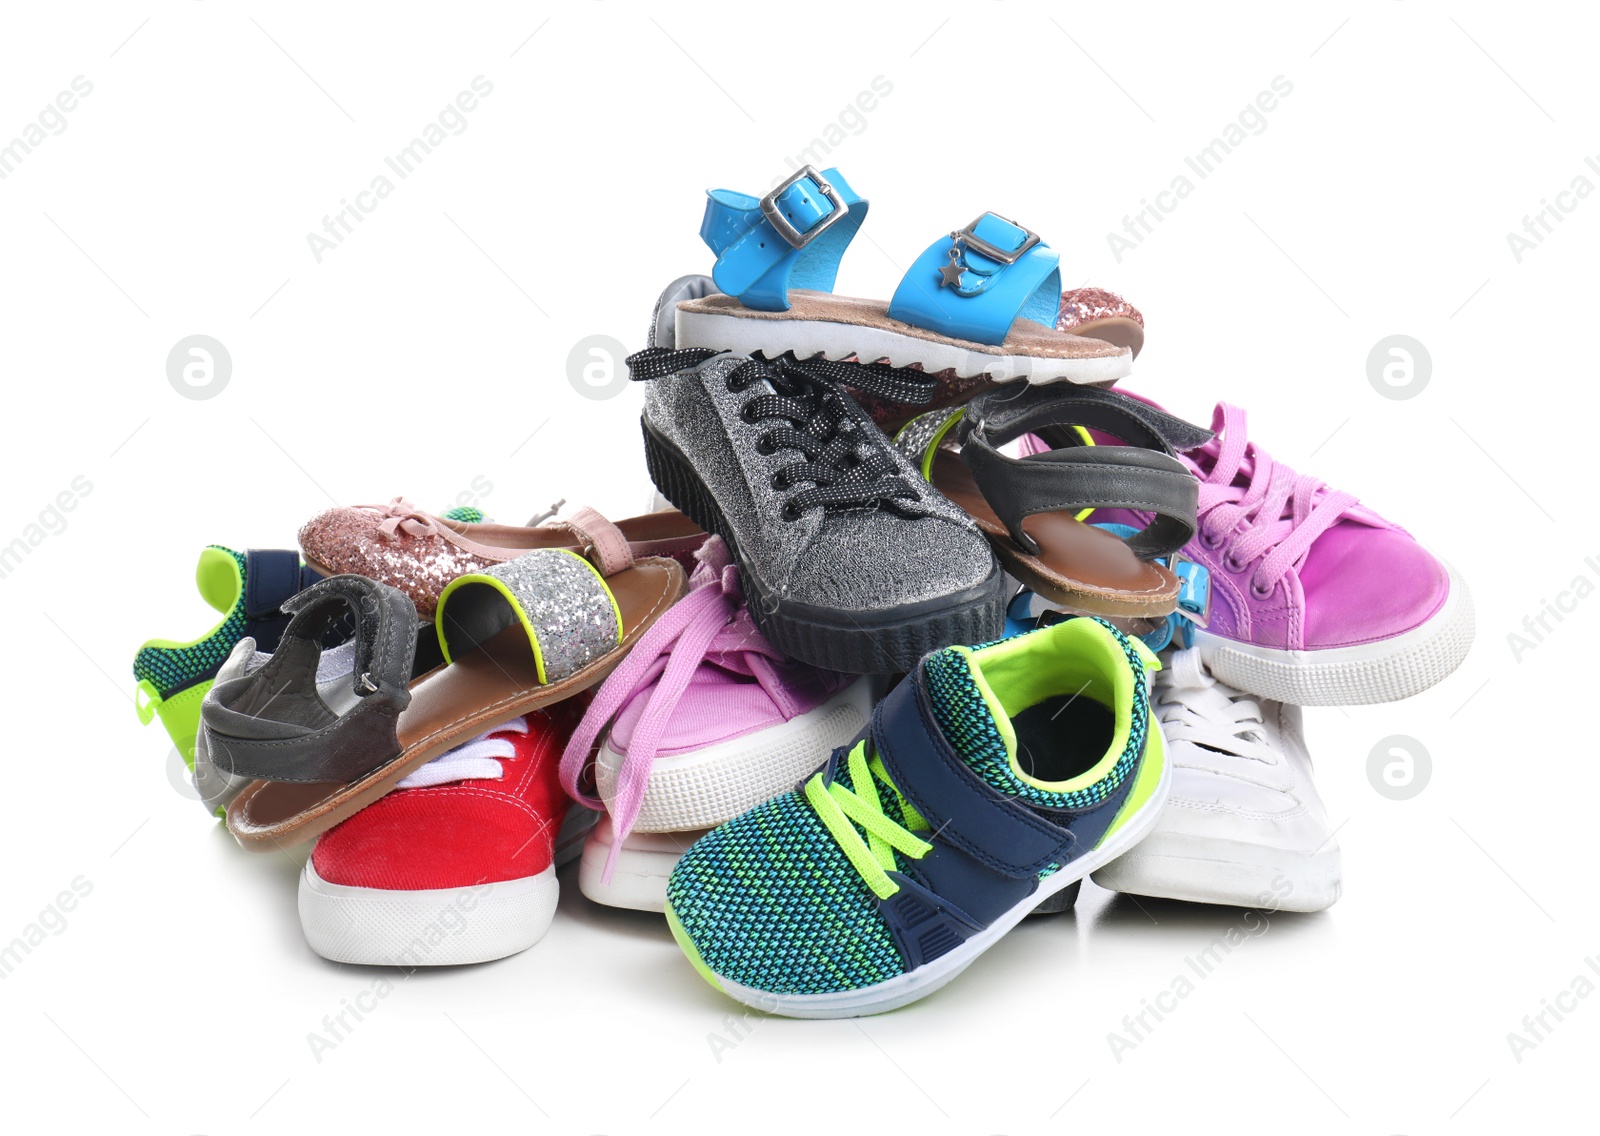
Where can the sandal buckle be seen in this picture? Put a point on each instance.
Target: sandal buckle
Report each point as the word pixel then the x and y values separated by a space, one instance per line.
pixel 1194 589
pixel 982 247
pixel 795 237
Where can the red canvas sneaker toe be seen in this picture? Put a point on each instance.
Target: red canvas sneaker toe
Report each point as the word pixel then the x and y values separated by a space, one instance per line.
pixel 457 865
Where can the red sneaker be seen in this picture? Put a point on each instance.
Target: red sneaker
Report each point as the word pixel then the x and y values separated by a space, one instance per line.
pixel 458 864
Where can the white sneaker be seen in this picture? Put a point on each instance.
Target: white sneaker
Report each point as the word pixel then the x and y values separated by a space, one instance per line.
pixel 1243 824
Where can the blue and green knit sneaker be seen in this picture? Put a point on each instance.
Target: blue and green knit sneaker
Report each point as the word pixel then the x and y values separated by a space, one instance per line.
pixel 990 780
pixel 246 587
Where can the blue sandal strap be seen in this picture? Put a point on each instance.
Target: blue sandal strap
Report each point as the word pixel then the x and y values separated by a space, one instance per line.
pixel 975 283
pixel 791 238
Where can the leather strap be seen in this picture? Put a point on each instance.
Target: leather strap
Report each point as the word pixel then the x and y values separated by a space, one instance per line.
pixel 759 262
pixel 999 272
pixel 1001 834
pixel 1146 476
pixel 602 541
pixel 272 724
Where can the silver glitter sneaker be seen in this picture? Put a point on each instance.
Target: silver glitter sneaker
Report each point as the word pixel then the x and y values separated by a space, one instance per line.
pixel 849 559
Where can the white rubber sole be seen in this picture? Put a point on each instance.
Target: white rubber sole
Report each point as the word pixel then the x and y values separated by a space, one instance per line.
pixel 1229 872
pixel 438 926
pixel 841 341
pixel 709 786
pixel 1351 676
pixel 906 988
pixel 645 862
pixel 441 927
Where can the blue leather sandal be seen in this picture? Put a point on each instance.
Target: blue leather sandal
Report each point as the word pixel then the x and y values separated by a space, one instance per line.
pixel 982 301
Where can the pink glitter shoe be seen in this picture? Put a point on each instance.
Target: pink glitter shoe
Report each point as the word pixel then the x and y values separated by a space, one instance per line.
pixel 704 720
pixel 1314 599
pixel 1100 314
pixel 400 545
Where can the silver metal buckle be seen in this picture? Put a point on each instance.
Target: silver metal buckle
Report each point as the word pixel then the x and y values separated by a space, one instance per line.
pixel 796 238
pixel 978 245
pixel 1202 618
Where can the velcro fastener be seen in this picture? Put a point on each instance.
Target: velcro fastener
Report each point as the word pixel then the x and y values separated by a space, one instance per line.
pixel 270 577
pixel 602 539
pixel 1004 836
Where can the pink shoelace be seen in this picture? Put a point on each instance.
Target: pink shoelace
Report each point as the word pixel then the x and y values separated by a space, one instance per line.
pixel 709 626
pixel 1258 507
pixel 400 515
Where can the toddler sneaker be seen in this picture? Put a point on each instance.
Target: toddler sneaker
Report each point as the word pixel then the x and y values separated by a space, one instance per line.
pixel 458 864
pixel 246 588
pixel 1314 599
pixel 1243 824
pixel 990 780
pixel 850 561
pixel 702 721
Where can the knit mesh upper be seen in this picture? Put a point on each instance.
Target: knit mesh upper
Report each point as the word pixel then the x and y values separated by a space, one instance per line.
pixel 172 668
pixel 966 722
pixel 772 903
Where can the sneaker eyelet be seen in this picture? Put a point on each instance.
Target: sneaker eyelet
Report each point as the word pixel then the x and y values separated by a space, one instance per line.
pixel 746 412
pixel 1233 565
pixel 1208 542
pixel 790 513
pixel 779 481
pixel 766 446
pixel 1258 593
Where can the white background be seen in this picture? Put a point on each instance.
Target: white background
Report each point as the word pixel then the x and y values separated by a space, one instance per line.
pixel 425 349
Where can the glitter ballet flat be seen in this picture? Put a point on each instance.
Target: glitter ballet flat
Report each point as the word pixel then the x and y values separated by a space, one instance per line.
pixel 515 638
pixel 420 553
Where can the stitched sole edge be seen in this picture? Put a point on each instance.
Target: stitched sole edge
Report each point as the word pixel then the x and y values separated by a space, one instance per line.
pixel 891 644
pixel 1363 675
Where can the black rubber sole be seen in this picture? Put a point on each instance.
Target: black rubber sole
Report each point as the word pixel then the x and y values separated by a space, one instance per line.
pixel 890 641
pixel 1063 900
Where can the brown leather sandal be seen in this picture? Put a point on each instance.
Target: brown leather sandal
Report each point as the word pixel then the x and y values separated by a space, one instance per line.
pixel 515 638
pixel 1033 508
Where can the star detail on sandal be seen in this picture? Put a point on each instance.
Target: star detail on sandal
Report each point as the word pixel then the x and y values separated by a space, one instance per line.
pixel 950 274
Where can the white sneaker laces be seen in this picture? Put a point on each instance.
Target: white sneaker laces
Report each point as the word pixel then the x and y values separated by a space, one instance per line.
pixel 477 760
pixel 1195 707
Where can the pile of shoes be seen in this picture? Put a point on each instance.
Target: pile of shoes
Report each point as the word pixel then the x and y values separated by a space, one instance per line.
pixel 945 625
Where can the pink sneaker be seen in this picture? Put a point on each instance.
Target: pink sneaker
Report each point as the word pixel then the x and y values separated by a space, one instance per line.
pixel 1314 599
pixel 701 722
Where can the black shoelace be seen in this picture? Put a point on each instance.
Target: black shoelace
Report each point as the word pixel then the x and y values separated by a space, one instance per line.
pixel 846 463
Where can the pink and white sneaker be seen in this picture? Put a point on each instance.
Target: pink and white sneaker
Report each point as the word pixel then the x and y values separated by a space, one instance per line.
pixel 1314 599
pixel 703 721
